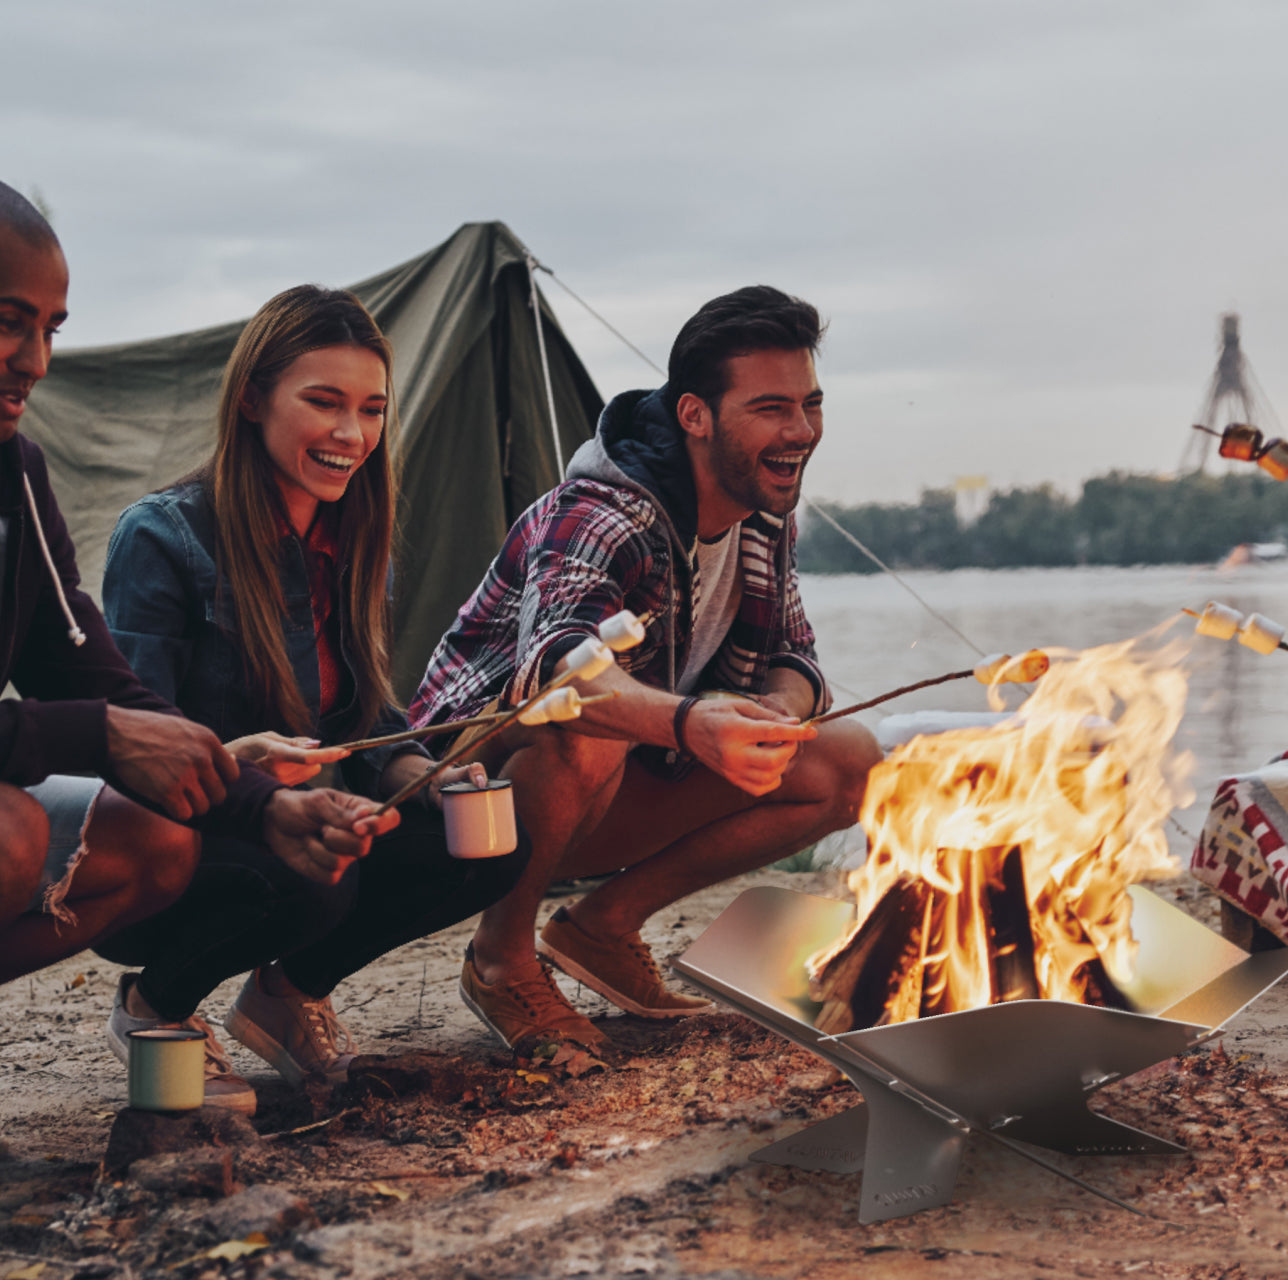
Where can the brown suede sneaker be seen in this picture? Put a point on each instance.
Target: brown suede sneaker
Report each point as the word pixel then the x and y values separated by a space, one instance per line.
pixel 623 971
pixel 530 1007
pixel 298 1035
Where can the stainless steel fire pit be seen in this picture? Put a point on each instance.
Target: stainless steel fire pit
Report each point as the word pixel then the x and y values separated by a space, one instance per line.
pixel 1017 1071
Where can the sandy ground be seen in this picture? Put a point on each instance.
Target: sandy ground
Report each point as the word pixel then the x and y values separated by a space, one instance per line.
pixel 447 1158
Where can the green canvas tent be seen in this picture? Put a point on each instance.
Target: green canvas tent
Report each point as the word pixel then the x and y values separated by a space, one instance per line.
pixel 475 448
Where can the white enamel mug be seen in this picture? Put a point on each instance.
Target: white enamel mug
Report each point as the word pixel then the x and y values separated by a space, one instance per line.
pixel 167 1069
pixel 480 820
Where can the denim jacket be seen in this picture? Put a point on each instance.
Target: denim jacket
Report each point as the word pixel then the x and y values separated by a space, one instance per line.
pixel 179 633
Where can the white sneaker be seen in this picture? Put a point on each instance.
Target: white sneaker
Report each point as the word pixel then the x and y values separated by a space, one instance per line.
pixel 224 1088
pixel 297 1034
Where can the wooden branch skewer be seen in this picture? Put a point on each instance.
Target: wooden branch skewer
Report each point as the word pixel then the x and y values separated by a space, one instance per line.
pixel 448 726
pixel 425 731
pixel 894 693
pixel 504 720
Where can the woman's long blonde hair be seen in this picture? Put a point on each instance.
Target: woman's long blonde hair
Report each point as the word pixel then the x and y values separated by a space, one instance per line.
pixel 247 502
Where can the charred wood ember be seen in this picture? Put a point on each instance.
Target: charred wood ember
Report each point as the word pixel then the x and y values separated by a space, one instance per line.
pixel 1101 989
pixel 857 983
pixel 1014 973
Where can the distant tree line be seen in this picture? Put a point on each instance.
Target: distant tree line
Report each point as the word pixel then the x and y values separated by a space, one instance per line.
pixel 1118 519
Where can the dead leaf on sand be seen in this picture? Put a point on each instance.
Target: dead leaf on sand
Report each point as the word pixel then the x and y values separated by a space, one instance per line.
pixel 231 1250
pixel 571 1058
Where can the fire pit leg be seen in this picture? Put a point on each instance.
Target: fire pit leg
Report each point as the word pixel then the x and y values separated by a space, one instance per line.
pixel 911 1158
pixel 835 1145
pixel 1077 1131
pixel 908 1156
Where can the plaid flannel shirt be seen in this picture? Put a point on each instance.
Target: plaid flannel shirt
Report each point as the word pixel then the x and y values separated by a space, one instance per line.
pixel 580 554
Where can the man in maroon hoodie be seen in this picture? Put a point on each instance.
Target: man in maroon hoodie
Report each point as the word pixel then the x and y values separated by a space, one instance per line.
pixel 78 859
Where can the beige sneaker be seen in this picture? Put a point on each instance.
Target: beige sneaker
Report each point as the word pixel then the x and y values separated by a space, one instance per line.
pixel 298 1035
pixel 623 971
pixel 531 1006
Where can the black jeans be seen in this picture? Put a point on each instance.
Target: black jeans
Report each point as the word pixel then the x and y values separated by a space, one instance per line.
pixel 245 908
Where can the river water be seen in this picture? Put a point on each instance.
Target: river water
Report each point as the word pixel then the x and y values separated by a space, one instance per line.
pixel 873 636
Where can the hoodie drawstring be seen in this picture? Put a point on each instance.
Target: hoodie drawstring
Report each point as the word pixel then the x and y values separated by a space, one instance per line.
pixel 74 633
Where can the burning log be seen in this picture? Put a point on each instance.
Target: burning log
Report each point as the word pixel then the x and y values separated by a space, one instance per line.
pixel 858 983
pixel 898 963
pixel 1011 945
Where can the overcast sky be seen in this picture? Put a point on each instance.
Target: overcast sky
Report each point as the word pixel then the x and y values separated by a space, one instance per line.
pixel 1023 217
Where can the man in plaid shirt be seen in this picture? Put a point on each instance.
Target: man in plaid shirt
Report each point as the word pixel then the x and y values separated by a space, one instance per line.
pixel 681 508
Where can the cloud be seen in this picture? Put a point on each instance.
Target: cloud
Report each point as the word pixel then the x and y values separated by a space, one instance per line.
pixel 1025 218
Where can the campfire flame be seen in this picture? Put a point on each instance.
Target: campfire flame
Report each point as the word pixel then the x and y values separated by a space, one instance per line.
pixel 1080 781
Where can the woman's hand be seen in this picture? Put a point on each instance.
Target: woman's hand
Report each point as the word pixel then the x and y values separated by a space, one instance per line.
pixel 289 760
pixel 319 833
pixel 402 769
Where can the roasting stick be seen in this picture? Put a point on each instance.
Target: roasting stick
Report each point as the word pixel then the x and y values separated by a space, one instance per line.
pixel 449 726
pixel 999 668
pixel 452 757
pixel 425 731
pixel 887 697
pixel 589 659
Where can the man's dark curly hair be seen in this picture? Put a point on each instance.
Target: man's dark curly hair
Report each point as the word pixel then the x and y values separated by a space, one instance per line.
pixel 757 318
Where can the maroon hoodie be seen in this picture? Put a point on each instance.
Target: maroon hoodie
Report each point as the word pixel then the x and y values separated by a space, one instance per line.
pixel 59 724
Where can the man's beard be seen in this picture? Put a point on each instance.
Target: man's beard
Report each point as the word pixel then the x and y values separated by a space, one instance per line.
pixel 738 473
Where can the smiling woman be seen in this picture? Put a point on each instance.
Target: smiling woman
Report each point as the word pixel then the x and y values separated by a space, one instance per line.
pixel 255 595
pixel 302 418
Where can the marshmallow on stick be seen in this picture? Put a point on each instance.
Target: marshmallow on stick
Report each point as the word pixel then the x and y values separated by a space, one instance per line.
pixel 1260 634
pixel 998 668
pixel 622 631
pixel 591 658
pixel 563 704
pixel 1218 621
pixel 1001 668
pixel 1255 632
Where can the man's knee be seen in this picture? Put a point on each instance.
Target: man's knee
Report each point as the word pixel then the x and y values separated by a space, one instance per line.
pixel 148 856
pixel 833 770
pixel 24 841
pixel 575 758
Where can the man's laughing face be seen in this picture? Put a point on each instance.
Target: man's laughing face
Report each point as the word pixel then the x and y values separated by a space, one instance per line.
pixel 769 421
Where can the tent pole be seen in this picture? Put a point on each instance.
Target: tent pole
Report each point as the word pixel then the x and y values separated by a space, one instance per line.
pixel 545 364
